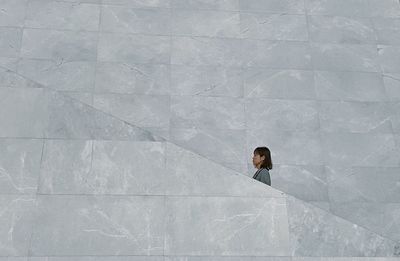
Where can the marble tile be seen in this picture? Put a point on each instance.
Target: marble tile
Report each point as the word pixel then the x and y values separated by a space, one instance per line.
pixel 351 8
pixel 71 119
pixel 206 51
pixel 9 78
pixel 134 48
pixel 278 84
pixel 121 167
pixel 362 58
pixel 206 81
pixel 273 26
pixel 84 97
pixel 315 232
pixel 82 1
pixel 23 112
pixel 277 54
pixel 52 14
pixel 59 45
pixel 384 8
pixel 229 5
pixel 273 6
pixel 132 78
pixel 324 205
pixel 360 149
pixel 389 57
pixel 288 115
pixel 226 258
pixel 60 75
pixel 188 174
pixel 140 110
pixel 336 29
pixel 87 225
pixel 65 166
pixel 205 23
pixel 122 19
pixel 19 165
pixel 98 258
pixel 222 146
pixel 10 41
pixel 227 227
pixel 13 12
pixel 288 147
pixel 359 117
pixel 9 63
pixel 387 30
pixel 344 258
pixel 392 85
pixel 368 184
pixel 13 258
pixel 349 86
pixel 379 218
pixel 140 3
pixel 17 213
pixel 304 182
pixel 207 112
pixel 395 108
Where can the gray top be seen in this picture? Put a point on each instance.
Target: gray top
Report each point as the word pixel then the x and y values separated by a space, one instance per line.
pixel 263 176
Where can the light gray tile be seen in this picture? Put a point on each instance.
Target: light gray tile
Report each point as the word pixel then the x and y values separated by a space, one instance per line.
pixel 188 174
pixel 277 54
pixel 273 6
pixel 278 84
pixel 65 166
pixel 82 1
pixel 232 5
pixel 17 213
pixel 229 224
pixel 389 58
pixel 139 3
pixel 360 117
pixel 205 23
pixel 336 29
pixel 350 8
pixel 60 75
pixel 10 41
pixel 288 147
pixel 349 86
pixel 121 167
pixel 207 112
pixel 223 146
pixel 83 97
pixel 62 15
pixel 395 108
pixel 13 12
pixel 124 19
pixel 134 48
pixel 304 182
pixel 206 51
pixel 273 26
pixel 13 258
pixel 132 78
pixel 87 225
pixel 281 114
pixel 324 205
pixel 9 78
pixel 380 218
pixel 384 8
pixel 344 258
pixel 226 258
pixel 206 81
pixel 360 149
pixel 23 112
pixel 9 63
pixel 140 110
pixel 19 165
pixel 387 30
pixel 392 85
pixel 98 258
pixel 59 45
pixel 315 232
pixel 356 184
pixel 363 58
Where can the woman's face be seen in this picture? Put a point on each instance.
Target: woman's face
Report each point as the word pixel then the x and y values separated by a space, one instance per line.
pixel 257 160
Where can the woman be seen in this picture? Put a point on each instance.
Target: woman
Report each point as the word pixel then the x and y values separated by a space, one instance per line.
pixel 263 163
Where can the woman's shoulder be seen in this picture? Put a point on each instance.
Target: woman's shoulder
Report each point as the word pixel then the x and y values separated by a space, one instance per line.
pixel 264 170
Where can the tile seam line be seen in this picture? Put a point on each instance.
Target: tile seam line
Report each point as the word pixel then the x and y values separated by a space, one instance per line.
pixel 165 140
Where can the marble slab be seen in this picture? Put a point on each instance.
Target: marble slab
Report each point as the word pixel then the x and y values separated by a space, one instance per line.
pixel 13 12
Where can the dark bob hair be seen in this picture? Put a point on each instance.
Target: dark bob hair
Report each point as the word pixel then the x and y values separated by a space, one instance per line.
pixel 264 151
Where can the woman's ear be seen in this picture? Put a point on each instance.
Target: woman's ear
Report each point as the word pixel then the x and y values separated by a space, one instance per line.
pixel 262 158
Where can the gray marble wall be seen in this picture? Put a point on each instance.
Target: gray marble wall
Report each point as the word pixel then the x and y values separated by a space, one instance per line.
pixel 317 81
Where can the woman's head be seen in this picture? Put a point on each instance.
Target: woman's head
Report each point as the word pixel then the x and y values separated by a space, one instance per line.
pixel 262 158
